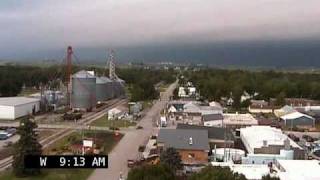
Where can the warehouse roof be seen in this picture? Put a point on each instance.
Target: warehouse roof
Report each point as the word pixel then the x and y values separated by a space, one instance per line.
pixel 295 115
pixel 212 117
pixel 250 171
pixel 254 137
pixel 16 101
pixel 181 138
pixel 239 119
pixel 299 169
pixel 213 132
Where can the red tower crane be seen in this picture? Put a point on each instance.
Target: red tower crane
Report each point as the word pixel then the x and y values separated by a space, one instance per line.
pixel 68 73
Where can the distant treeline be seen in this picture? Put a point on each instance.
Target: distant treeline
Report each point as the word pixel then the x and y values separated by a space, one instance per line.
pixel 13 77
pixel 140 81
pixel 217 83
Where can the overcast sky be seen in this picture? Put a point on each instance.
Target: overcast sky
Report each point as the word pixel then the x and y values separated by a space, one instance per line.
pixel 35 25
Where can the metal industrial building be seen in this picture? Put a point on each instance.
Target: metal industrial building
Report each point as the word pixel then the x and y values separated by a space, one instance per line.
pixel 298 119
pixel 118 87
pixel 266 144
pixel 12 108
pixel 83 95
pixel 104 89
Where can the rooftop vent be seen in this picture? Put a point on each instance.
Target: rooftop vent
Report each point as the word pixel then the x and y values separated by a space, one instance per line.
pixel 265 143
pixel 190 141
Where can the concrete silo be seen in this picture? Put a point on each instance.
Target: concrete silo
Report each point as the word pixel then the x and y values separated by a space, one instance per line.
pixel 83 94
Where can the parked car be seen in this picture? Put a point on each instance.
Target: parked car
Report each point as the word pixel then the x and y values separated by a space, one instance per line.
pixel 308 138
pixel 130 163
pixel 4 135
pixel 12 131
pixel 114 128
pixel 293 137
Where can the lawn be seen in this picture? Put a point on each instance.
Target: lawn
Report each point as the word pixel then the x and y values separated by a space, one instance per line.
pixel 103 122
pixel 105 140
pixel 28 91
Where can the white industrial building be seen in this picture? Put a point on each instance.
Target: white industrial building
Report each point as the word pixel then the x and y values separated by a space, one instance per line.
pixel 12 108
pixel 298 169
pixel 266 144
pixel 250 171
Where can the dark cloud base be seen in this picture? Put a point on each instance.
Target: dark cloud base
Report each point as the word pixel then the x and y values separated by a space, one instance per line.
pixel 279 54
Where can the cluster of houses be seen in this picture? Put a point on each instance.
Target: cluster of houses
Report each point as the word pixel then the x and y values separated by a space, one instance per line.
pixel 298 112
pixel 204 134
pixel 187 91
pixel 209 114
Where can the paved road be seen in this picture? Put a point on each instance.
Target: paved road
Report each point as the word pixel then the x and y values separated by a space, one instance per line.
pixel 13 139
pixel 127 148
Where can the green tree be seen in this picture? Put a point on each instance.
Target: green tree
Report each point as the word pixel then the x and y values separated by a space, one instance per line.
pixel 217 173
pixel 151 172
pixel 171 158
pixel 175 93
pixel 236 95
pixel 27 145
pixel 268 177
pixel 280 99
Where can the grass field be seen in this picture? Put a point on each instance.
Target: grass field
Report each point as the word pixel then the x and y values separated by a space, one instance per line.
pixel 106 141
pixel 103 122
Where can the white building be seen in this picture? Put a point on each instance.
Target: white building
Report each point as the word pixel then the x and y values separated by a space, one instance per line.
pixel 115 113
pixel 182 92
pixel 14 107
pixel 250 171
pixel 298 169
pixel 266 144
pixel 163 121
pixel 186 91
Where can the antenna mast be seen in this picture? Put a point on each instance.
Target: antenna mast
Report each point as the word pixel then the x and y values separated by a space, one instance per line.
pixel 112 66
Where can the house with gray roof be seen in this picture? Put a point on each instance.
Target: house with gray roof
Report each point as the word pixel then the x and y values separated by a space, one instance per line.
pixel 192 144
pixel 217 136
pixel 212 119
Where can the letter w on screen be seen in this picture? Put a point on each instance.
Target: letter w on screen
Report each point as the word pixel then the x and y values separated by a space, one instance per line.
pixel 43 161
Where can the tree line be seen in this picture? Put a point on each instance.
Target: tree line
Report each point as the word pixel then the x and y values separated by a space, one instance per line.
pixel 216 83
